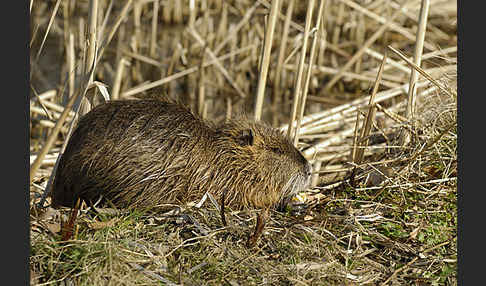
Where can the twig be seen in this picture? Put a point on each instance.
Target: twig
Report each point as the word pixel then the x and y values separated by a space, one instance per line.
pixel 382 20
pixel 113 30
pixel 317 37
pixel 370 115
pixel 300 72
pixel 267 49
pixel 153 38
pixel 92 39
pixel 422 72
pixel 214 59
pixel 115 91
pixel 281 56
pixel 365 46
pixel 147 86
pixel 417 59
pixel 51 20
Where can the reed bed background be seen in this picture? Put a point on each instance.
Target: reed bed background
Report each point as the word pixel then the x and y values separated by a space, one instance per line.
pixel 375 114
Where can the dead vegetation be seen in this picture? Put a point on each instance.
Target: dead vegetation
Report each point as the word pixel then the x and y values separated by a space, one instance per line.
pixel 382 210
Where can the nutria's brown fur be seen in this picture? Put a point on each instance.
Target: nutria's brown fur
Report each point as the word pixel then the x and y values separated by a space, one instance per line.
pixel 140 153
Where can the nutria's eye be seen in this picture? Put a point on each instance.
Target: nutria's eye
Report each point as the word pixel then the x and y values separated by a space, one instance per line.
pixel 246 137
pixel 277 150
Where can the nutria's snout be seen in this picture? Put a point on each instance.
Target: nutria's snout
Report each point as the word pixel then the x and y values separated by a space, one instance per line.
pixel 307 167
pixel 307 171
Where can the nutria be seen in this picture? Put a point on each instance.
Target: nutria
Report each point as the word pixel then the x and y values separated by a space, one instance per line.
pixel 140 153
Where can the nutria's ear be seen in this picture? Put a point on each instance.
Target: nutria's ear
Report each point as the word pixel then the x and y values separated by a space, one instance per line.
pixel 245 138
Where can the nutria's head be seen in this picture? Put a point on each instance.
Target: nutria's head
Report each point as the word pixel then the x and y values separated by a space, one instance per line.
pixel 267 166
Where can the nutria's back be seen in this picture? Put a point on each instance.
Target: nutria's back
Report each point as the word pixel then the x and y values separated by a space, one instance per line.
pixel 140 153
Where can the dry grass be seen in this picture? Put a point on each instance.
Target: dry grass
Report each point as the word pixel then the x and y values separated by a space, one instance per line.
pixel 393 222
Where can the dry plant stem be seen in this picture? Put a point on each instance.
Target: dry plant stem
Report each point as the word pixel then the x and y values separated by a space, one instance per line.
pixel 300 72
pixel 192 13
pixel 323 44
pixel 360 35
pixel 55 110
pixel 225 73
pixel 82 37
pixel 34 34
pixel 431 27
pixel 222 26
pixel 291 55
pixel 282 17
pixel 101 30
pixel 71 64
pixel 48 95
pixel 236 28
pixel 317 37
pixel 355 138
pixel 309 152
pixel 166 11
pixel 369 116
pixel 281 55
pixel 417 59
pixel 228 108
pixel 365 46
pixel 177 16
pixel 382 20
pixel 329 70
pixel 115 92
pixel 135 40
pixel 51 20
pixel 90 60
pixel 153 38
pixel 41 102
pixel 201 90
pixel 395 117
pixel 326 115
pixel 337 27
pixel 110 36
pixel 315 176
pixel 267 49
pixel 92 39
pixel 147 86
pixel 143 58
pixel 66 29
pixel 424 57
pixel 422 72
pixel 390 62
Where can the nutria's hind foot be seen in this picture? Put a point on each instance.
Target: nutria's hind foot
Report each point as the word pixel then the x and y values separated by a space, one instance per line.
pixel 261 220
